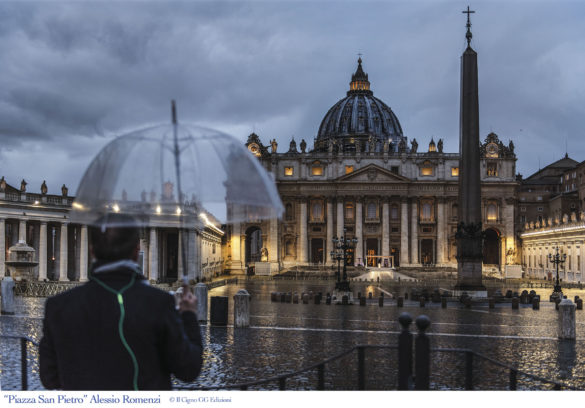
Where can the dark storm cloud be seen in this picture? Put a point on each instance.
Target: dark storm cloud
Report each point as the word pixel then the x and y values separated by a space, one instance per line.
pixel 75 74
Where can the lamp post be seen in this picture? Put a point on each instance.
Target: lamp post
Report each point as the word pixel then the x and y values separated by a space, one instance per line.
pixel 341 246
pixel 557 259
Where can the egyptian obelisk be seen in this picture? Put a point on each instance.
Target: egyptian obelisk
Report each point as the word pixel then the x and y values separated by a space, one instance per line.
pixel 469 229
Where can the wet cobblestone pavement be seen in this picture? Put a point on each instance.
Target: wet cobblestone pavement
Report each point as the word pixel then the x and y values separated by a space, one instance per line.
pixel 286 337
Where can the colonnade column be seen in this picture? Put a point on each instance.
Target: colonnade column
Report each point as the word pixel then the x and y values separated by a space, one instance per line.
pixel 340 217
pixel 22 231
pixel 2 247
pixel 180 255
pixel 414 234
pixel 192 254
pixel 441 249
pixel 404 233
pixel 302 255
pixel 236 249
pixel 359 248
pixel 63 253
pixel 329 243
pixel 153 255
pixel 42 251
pixel 83 255
pixel 385 230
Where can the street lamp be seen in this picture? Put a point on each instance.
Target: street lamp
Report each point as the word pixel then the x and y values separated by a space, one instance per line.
pixel 341 246
pixel 557 259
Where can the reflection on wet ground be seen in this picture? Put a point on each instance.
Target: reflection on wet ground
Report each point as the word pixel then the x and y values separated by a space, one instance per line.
pixel 286 337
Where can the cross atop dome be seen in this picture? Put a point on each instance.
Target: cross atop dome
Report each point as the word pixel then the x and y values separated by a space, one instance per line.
pixel 359 80
pixel 468 35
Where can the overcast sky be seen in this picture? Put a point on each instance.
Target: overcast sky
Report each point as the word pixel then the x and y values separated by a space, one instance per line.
pixel 75 74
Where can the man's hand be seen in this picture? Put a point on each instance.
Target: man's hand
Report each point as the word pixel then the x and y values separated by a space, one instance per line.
pixel 188 302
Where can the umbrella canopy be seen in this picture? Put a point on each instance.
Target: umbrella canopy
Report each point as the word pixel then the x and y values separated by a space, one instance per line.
pixel 173 173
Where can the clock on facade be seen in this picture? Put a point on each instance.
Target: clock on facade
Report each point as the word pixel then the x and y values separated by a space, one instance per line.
pixel 492 150
pixel 255 149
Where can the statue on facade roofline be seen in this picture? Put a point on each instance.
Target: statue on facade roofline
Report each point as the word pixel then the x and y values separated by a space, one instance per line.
pixel 414 146
pixel 303 145
pixel 44 188
pixel 2 184
pixel 273 145
pixel 23 186
pixel 64 190
pixel 440 145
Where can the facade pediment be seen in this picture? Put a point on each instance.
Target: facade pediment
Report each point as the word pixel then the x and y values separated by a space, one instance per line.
pixel 373 174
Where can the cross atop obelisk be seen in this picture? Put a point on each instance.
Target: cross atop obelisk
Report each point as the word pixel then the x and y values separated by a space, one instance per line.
pixel 468 35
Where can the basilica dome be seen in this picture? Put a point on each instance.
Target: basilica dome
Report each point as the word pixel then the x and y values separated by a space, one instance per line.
pixel 359 120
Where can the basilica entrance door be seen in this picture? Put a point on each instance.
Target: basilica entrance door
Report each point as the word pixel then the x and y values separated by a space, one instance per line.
pixel 491 247
pixel 317 250
pixel 372 251
pixel 426 252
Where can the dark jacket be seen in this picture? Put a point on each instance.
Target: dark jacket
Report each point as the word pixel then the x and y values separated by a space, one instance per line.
pixel 82 350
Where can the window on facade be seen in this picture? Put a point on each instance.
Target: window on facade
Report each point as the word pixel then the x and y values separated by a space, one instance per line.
pixel 289 171
pixel 213 249
pixel 317 211
pixel 578 262
pixel 540 209
pixel 289 212
pixel 455 171
pixel 289 248
pixel 348 169
pixel 371 211
pixel 426 212
pixel 394 169
pixel 523 209
pixel 349 211
pixel 492 169
pixel 522 218
pixel 394 212
pixel 426 169
pixel 317 169
pixel 492 212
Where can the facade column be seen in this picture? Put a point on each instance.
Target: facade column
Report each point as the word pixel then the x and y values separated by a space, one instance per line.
pixel 144 252
pixel 441 248
pixel 359 248
pixel 510 234
pixel 63 253
pixel 22 231
pixel 2 248
pixel 385 229
pixel 302 255
pixel 329 243
pixel 414 234
pixel 273 241
pixel 42 256
pixel 153 255
pixel 236 248
pixel 404 233
pixel 82 253
pixel 340 217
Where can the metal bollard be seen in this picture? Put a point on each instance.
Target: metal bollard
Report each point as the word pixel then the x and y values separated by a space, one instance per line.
pixel 579 304
pixel 422 357
pixel 515 303
pixel 400 301
pixel 381 301
pixel 444 302
pixel 201 295
pixel 362 301
pixel 404 353
pixel 219 311
pixel 242 308
pixel 535 303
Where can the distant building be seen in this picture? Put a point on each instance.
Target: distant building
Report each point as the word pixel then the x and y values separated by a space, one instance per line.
pixel 361 178
pixel 62 248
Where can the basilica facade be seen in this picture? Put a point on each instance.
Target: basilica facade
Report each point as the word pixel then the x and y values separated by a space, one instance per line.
pixel 363 179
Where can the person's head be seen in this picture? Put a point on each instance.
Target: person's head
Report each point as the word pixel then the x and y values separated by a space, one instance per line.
pixel 115 237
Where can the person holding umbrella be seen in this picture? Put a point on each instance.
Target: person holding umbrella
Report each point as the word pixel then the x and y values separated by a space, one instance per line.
pixel 116 332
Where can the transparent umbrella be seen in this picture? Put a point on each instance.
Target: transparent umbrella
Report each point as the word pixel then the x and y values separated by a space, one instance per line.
pixel 175 175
